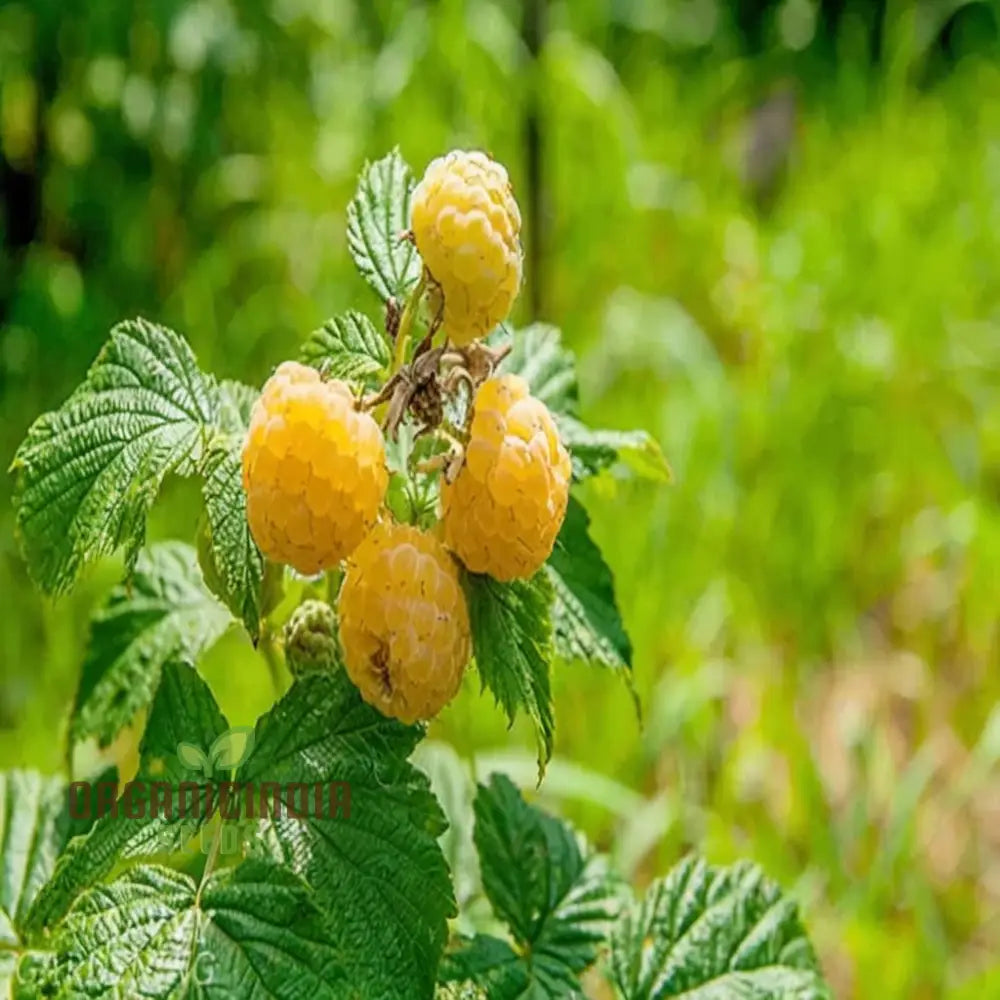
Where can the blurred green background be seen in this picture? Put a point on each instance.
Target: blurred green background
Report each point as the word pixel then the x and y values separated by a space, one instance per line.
pixel 769 229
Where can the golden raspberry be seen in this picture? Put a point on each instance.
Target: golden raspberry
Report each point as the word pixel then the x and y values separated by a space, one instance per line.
pixel 466 224
pixel 313 470
pixel 404 626
pixel 504 509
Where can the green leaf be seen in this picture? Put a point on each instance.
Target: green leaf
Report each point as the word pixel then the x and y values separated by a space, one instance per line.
pixel 714 933
pixel 8 972
pixel 236 402
pixel 237 562
pixel 511 639
pixel 349 347
pixel 86 798
pixel 593 451
pixel 183 711
pixel 538 356
pixel 163 613
pixel 459 991
pixel 378 870
pixel 250 932
pixel 87 473
pixel 235 566
pixel 586 622
pixel 377 218
pixel 35 826
pixel 34 829
pixel 453 787
pixel 557 898
pixel 491 965
pixel 539 876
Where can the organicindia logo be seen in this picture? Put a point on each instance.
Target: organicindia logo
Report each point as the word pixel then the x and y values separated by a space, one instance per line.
pixel 210 790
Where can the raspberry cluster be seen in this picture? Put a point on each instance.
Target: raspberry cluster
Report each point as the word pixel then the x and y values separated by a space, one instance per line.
pixel 315 475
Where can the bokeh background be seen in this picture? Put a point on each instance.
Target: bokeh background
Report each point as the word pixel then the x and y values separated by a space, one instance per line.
pixel 771 231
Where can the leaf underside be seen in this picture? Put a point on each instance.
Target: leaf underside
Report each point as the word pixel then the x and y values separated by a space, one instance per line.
pixel 593 451
pixel 35 826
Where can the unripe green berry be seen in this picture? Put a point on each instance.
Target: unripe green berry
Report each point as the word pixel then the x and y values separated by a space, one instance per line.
pixel 311 643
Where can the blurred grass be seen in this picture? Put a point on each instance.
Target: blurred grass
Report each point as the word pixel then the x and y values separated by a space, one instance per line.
pixel 784 264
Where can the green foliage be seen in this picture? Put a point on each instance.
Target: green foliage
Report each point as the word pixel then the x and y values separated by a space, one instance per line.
pixel 701 931
pixel 538 356
pixel 87 473
pixel 593 451
pixel 326 851
pixel 154 932
pixel 511 639
pixel 183 711
pixel 585 618
pixel 163 613
pixel 379 869
pixel 452 786
pixel 233 565
pixel 374 863
pixel 460 991
pixel 377 219
pixel 716 933
pixel 349 347
pixel 34 829
pixel 555 896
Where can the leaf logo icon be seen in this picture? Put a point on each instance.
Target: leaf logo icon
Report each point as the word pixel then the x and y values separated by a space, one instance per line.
pixel 229 750
pixel 232 748
pixel 194 758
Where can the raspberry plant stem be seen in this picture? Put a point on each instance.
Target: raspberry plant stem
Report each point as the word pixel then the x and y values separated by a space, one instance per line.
pixel 406 323
pixel 213 856
pixel 269 650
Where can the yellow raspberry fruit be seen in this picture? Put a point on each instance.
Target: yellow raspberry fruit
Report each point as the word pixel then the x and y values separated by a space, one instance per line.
pixel 313 470
pixel 507 503
pixel 404 626
pixel 466 225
